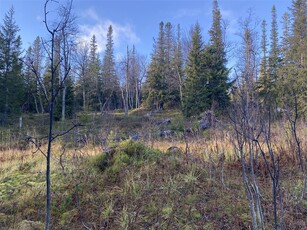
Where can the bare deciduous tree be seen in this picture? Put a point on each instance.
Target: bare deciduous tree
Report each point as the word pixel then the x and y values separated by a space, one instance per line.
pixel 55 28
pixel 245 116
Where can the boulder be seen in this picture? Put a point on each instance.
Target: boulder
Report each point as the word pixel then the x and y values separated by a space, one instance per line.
pixel 135 137
pixel 204 125
pixel 164 133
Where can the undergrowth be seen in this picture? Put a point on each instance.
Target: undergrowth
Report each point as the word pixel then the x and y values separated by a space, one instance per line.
pixel 141 184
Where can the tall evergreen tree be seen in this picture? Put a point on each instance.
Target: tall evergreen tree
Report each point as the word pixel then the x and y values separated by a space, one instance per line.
pixel 11 82
pixel 195 94
pixel 263 78
pixel 273 64
pixel 111 89
pixel 215 64
pixel 293 84
pixel 156 85
pixel 285 39
pixel 95 81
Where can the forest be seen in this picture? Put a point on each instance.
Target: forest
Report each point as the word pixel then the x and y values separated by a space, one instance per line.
pixel 178 140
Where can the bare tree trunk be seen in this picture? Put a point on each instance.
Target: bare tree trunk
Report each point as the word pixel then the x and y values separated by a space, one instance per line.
pixel 35 102
pixel 50 134
pixel 84 99
pixel 41 103
pixel 64 101
pixel 126 102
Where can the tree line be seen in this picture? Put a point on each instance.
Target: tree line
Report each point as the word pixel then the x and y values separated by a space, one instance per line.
pixel 183 71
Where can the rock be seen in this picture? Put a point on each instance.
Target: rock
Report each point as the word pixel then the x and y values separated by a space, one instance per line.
pixel 135 137
pixel 164 133
pixel 204 125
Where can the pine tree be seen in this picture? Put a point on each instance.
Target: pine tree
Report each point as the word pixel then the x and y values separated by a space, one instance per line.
pixel 11 82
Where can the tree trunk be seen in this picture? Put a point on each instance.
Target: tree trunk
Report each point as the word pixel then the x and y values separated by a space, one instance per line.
pixel 35 102
pixel 64 101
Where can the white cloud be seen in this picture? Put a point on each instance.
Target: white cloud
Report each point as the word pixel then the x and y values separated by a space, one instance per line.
pixel 123 34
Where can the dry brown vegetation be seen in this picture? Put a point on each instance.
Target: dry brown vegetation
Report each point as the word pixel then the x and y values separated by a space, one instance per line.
pixel 141 184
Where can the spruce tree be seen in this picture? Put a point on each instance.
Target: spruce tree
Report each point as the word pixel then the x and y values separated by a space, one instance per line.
pixel 94 80
pixel 273 64
pixel 215 64
pixel 111 89
pixel 263 78
pixel 11 82
pixel 195 94
pixel 156 85
pixel 292 86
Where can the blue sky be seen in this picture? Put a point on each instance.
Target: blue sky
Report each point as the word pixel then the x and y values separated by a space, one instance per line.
pixel 137 21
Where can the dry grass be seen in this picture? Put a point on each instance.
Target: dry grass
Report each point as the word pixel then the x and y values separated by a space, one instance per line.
pixel 169 191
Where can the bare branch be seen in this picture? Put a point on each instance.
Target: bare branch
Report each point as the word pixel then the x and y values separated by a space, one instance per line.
pixel 38 149
pixel 65 132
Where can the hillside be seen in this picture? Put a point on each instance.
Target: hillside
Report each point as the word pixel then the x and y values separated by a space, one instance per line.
pixel 110 181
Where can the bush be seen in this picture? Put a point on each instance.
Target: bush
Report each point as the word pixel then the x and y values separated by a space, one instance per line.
pixel 126 153
pixel 100 161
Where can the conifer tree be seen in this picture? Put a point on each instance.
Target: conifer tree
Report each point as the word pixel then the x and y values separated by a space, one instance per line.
pixel 195 94
pixel 111 89
pixel 11 99
pixel 95 81
pixel 156 85
pixel 263 79
pixel 215 64
pixel 273 64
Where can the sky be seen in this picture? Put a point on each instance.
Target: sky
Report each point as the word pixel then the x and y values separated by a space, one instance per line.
pixel 136 22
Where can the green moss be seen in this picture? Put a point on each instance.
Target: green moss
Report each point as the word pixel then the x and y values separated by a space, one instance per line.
pixel 126 153
pixel 100 161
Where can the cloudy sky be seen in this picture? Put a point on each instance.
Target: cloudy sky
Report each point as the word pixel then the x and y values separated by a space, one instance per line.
pixel 137 21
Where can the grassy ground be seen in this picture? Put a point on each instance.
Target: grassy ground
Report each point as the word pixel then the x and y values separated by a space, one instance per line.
pixel 139 184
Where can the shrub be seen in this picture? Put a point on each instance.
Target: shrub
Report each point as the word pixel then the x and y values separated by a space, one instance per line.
pixel 126 153
pixel 100 161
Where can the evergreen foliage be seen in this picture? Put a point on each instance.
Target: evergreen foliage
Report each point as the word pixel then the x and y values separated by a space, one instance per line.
pixel 111 90
pixel 11 100
pixel 195 96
